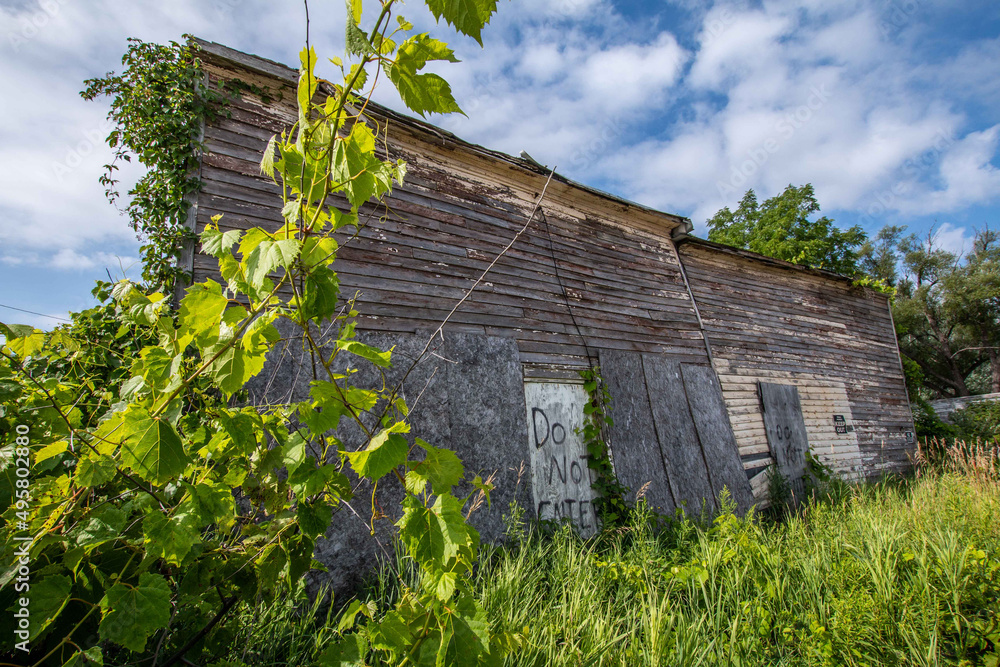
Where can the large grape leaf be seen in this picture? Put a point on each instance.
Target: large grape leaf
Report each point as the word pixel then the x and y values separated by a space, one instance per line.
pixel 95 470
pixel 151 447
pixel 48 597
pixel 423 93
pixel 171 538
pixel 103 525
pixel 468 16
pixel 356 169
pixel 385 451
pixel 202 309
pixel 132 613
pixel 218 243
pixel 441 467
pixel 235 367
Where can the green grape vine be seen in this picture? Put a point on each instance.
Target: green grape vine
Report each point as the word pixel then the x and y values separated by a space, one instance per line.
pixel 155 501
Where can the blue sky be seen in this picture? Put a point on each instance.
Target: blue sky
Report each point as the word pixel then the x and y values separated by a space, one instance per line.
pixel 890 108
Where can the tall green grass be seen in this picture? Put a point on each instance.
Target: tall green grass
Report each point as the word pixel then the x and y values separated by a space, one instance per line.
pixel 872 575
pixel 888 573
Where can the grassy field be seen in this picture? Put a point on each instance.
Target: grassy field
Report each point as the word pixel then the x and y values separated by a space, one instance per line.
pixel 893 573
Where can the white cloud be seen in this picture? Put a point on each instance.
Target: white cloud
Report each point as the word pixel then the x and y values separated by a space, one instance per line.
pixel 956 240
pixel 808 92
pixel 791 91
pixel 71 260
pixel 965 175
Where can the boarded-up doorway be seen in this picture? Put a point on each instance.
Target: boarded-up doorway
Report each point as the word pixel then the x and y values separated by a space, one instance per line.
pixel 671 433
pixel 786 432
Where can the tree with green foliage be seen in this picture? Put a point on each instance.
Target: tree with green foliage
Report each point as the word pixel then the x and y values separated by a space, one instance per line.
pixel 946 307
pixel 878 258
pixel 781 228
pixel 152 500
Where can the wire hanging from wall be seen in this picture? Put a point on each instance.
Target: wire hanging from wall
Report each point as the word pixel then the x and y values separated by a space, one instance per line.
pixel 562 288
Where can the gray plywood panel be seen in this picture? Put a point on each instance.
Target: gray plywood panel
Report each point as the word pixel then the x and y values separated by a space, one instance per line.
pixel 676 432
pixel 718 443
pixel 786 432
pixel 634 446
pixel 488 424
pixel 349 549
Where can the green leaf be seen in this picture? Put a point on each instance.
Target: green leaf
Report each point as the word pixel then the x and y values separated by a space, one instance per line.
pixel 319 251
pixel 131 614
pixel 267 256
pixel 212 504
pixel 217 243
pixel 310 183
pixel 391 634
pixel 48 597
pixel 293 454
pixel 357 74
pixel 321 294
pixel 95 471
pixel 357 43
pixel 151 447
pixel 308 481
pixel 348 652
pixel 423 93
pixel 267 160
pixel 439 583
pixel 441 467
pixel 385 451
pixel 356 169
pixel 235 367
pixel 26 344
pixel 471 634
pixel 314 518
pixel 421 532
pixel 103 526
pixel 416 51
pixel 349 616
pixel 92 656
pixel 372 354
pixel 202 309
pixel 354 10
pixel 48 451
pixel 171 538
pixel 467 16
pixel 307 81
pixel 269 565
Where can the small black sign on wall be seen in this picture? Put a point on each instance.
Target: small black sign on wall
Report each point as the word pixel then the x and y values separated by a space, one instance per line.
pixel 838 419
pixel 841 428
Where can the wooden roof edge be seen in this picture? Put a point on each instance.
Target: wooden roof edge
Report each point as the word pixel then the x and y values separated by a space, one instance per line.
pixel 278 70
pixel 687 239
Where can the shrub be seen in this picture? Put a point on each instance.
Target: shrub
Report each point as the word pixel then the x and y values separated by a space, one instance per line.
pixel 979 421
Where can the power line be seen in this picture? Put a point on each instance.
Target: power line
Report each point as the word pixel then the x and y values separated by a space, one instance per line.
pixel 31 312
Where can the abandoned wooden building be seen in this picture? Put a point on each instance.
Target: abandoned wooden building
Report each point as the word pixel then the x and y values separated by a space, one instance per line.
pixel 720 362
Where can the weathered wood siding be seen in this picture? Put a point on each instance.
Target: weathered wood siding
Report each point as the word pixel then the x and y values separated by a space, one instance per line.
pixel 612 263
pixel 591 273
pixel 835 342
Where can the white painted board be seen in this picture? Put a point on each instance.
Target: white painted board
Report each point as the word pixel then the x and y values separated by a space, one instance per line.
pixel 560 479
